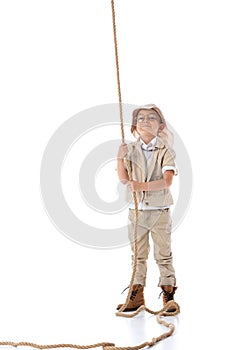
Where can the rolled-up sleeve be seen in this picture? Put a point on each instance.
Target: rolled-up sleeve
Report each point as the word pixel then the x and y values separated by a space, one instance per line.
pixel 169 161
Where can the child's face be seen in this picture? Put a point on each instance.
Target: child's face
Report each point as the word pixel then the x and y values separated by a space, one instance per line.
pixel 148 123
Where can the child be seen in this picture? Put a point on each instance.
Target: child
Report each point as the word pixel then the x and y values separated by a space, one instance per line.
pixel 152 165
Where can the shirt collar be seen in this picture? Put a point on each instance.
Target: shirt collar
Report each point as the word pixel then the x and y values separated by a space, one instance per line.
pixel 150 145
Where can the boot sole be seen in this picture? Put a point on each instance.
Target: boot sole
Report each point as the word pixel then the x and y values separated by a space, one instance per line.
pixel 130 309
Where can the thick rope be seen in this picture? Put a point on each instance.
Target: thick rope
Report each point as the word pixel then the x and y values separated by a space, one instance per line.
pixel 117 70
pixel 121 310
pixel 160 313
pixel 56 346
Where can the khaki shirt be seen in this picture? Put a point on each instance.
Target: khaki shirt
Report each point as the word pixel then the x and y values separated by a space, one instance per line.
pixel 161 156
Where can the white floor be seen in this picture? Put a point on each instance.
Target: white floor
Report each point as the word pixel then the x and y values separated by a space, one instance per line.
pixel 68 294
pixel 92 319
pixel 59 292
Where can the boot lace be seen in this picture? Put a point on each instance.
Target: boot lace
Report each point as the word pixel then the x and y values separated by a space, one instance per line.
pixel 133 294
pixel 167 296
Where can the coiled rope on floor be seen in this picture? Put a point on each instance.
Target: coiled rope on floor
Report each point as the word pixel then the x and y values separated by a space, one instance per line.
pixel 159 314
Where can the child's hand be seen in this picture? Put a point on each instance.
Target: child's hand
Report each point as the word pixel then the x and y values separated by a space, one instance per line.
pixel 123 150
pixel 135 186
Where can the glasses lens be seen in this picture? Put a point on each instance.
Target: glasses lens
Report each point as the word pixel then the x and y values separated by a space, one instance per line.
pixel 150 117
pixel 140 118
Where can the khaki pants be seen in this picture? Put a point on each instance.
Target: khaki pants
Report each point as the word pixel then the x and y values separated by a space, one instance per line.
pixel 158 222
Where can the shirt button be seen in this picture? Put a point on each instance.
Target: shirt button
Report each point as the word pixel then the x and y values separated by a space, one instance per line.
pixel 146 203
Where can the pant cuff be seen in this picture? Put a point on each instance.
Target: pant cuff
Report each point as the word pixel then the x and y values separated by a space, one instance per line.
pixel 171 281
pixel 139 281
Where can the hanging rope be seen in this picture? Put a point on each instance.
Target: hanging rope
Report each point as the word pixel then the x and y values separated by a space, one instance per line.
pixel 120 312
pixel 161 313
pixel 117 71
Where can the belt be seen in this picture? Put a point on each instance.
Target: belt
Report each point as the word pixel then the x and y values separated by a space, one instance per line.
pixel 163 209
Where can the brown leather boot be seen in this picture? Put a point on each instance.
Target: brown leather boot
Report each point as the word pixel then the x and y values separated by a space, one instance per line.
pixel 168 298
pixel 136 298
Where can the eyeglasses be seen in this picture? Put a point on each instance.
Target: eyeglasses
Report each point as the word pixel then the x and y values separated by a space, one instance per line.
pixel 151 118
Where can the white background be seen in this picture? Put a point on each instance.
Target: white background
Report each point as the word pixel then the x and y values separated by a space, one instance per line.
pixel 57 59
